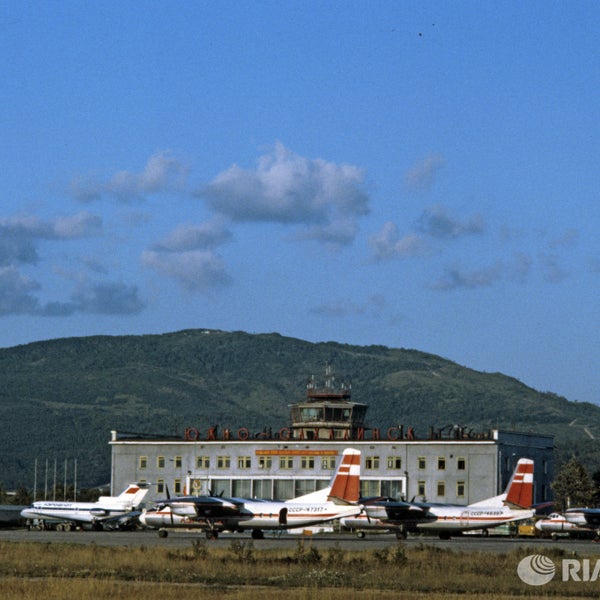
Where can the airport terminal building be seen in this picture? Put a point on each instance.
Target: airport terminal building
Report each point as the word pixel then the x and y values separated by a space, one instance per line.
pixel 452 465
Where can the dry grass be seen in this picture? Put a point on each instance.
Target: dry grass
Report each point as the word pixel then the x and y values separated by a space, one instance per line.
pixel 60 571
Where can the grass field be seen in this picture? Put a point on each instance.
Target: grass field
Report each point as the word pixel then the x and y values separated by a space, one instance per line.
pixel 59 571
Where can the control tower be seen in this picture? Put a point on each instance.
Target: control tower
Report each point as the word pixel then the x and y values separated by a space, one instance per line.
pixel 328 413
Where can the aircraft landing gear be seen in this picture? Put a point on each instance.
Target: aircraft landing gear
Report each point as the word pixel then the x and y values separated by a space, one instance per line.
pixel 163 533
pixel 257 534
pixel 211 534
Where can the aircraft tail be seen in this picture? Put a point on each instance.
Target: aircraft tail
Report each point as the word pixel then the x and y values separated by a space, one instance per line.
pixel 519 492
pixel 132 496
pixel 345 484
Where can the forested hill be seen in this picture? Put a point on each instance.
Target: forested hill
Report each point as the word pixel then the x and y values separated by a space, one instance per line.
pixel 60 399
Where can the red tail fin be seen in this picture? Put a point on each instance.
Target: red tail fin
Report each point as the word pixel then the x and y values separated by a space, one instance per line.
pixel 520 488
pixel 346 482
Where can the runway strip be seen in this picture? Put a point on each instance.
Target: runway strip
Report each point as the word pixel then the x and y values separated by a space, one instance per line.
pixel 347 542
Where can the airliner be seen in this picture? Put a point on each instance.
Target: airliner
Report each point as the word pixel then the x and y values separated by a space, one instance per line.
pixel 113 510
pixel 556 524
pixel 214 514
pixel 513 505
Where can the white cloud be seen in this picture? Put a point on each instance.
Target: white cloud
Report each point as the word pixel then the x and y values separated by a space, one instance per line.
pixel 196 270
pixel 16 293
pixel 162 172
pixel 436 222
pixel 20 235
pixel 108 298
pixel 388 244
pixel 324 198
pixel 422 175
pixel 195 237
pixel 456 277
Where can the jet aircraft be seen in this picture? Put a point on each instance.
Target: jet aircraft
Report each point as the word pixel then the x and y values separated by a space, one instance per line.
pixel 107 510
pixel 556 524
pixel 446 519
pixel 214 514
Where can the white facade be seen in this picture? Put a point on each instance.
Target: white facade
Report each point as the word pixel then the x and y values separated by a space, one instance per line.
pixel 459 471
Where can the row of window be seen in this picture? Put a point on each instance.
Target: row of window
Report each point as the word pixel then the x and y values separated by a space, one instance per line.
pixel 306 462
pixel 440 488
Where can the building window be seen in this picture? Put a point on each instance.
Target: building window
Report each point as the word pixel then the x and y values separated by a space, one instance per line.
pixel 143 462
pixel 177 486
pixel 178 462
pixel 460 489
pixel 202 462
pixel 307 462
pixel 221 487
pixel 304 486
pixel 441 488
pixel 421 489
pixel 441 463
pixel 244 462
pixel 369 487
pixel 160 486
pixel 160 462
pixel 241 488
pixel 372 462
pixel 283 489
pixel 461 463
pixel 392 488
pixel 223 462
pixel 263 488
pixel 394 462
pixel 328 463
pixel 286 462
pixel 422 463
pixel 265 462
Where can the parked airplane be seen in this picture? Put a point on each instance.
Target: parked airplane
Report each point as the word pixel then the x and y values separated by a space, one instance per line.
pixel 108 509
pixel 555 524
pixel 214 514
pixel 446 519
pixel 586 518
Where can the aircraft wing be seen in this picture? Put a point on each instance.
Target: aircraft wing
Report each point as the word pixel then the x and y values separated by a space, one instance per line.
pixel 399 512
pixel 204 507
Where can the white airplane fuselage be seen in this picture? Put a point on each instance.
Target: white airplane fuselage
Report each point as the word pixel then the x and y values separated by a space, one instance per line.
pixel 556 523
pixel 84 512
pixel 254 515
pixel 106 508
pixel 442 518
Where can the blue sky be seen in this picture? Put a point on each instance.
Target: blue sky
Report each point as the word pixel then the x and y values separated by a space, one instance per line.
pixel 413 174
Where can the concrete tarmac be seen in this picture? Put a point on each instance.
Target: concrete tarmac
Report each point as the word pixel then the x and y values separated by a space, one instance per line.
pixel 345 541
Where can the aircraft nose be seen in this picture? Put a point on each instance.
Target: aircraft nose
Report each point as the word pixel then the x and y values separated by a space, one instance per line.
pixel 142 518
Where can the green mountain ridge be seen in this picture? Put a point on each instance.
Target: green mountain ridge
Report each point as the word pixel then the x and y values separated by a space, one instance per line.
pixel 60 399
